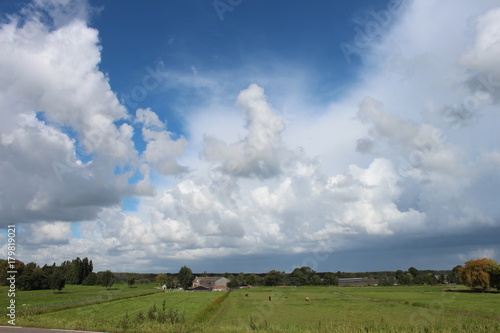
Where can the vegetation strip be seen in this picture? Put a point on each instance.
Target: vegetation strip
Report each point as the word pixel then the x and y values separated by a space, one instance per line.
pixel 211 310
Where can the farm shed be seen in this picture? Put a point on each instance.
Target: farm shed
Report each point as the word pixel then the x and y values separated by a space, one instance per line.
pixel 212 283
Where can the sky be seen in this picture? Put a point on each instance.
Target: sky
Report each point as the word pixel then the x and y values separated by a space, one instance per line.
pixel 246 136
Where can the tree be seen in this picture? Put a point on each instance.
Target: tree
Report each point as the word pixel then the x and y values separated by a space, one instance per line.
pixel 254 280
pixel 405 279
pixel 478 273
pixel 170 282
pixel 185 277
pixel 331 279
pixel 427 278
pixel 33 278
pixel 87 268
pixel 251 279
pixel 234 283
pixel 386 281
pixel 274 278
pixel 298 278
pixel 90 280
pixel 107 279
pixel 495 278
pixel 49 269
pixel 304 276
pixel 77 270
pixel 161 279
pixel 237 281
pixel 413 271
pixel 315 280
pixel 4 268
pixel 242 278
pixel 454 276
pixel 57 280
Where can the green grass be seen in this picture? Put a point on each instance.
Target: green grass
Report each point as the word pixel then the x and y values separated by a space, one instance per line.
pixel 107 316
pixel 70 293
pixel 332 309
pixel 457 299
pixel 373 306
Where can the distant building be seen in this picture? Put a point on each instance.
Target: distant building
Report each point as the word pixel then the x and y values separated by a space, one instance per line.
pixel 212 283
pixel 357 282
pixel 200 288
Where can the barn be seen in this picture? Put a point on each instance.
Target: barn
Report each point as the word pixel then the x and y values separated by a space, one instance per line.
pixel 210 283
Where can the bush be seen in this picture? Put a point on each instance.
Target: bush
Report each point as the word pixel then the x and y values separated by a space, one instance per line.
pixel 125 322
pixel 140 317
pixel 151 312
pixel 162 316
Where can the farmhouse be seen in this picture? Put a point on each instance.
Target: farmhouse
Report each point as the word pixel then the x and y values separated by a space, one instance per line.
pixel 212 283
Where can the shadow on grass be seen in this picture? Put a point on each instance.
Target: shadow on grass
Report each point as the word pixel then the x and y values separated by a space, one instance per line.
pixel 472 291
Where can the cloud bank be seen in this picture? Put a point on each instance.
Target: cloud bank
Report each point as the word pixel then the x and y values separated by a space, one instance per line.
pixel 410 152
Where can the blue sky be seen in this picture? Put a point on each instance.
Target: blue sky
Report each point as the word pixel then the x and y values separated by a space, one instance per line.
pixel 263 36
pixel 251 135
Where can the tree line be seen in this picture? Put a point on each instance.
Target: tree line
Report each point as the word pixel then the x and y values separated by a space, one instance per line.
pixel 77 271
pixel 479 274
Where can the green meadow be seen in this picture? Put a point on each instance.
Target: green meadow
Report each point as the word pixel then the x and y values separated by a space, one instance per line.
pixel 331 309
pixel 398 308
pixel 72 294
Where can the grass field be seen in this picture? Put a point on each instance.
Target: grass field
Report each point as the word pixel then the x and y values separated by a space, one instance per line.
pixel 332 309
pixel 71 294
pixel 108 316
pixel 392 307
